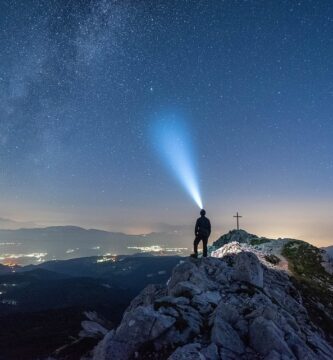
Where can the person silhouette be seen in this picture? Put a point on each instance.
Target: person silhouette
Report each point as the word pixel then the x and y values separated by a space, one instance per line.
pixel 202 231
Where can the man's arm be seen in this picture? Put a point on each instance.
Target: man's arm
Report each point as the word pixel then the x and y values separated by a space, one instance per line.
pixel 209 227
pixel 196 229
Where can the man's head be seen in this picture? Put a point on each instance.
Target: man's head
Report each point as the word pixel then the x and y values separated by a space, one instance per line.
pixel 203 212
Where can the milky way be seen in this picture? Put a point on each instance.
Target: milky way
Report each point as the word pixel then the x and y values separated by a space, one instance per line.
pixel 81 81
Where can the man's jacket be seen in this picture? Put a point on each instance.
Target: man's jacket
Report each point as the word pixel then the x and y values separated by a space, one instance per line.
pixel 202 227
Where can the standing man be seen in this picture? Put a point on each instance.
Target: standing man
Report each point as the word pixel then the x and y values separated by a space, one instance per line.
pixel 202 231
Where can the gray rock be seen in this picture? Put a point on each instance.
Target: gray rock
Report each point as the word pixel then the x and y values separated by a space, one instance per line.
pixel 240 236
pixel 224 335
pixel 273 355
pixel 226 312
pixel 200 279
pixel 181 272
pixel 143 324
pixel 191 318
pixel 221 278
pixel 115 350
pixel 211 308
pixel 242 327
pixel 204 302
pixel 266 336
pixel 171 301
pixel 299 347
pixel 92 329
pixel 210 352
pixel 226 354
pixel 322 348
pixel 187 352
pixel 248 268
pixel 201 305
pixel 185 289
pixel 147 296
pixel 169 311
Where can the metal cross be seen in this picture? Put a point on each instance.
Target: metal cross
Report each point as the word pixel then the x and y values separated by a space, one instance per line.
pixel 237 216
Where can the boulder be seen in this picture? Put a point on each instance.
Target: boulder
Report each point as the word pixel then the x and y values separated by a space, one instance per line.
pixel 185 289
pixel 225 336
pixel 190 318
pixel 181 272
pixel 187 352
pixel 265 336
pixel 171 301
pixel 248 268
pixel 205 302
pixel 142 324
pixel 227 312
pixel 211 352
pixel 92 329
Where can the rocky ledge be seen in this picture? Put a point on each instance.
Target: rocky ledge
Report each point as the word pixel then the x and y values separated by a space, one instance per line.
pixel 237 306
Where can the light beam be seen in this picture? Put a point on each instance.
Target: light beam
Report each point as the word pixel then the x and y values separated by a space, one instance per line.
pixel 172 139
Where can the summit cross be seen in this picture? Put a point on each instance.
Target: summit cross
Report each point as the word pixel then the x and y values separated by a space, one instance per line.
pixel 237 216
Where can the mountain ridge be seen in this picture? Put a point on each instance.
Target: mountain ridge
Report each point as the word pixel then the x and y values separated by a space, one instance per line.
pixel 240 303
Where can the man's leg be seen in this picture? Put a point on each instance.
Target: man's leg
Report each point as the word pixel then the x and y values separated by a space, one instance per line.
pixel 195 245
pixel 204 246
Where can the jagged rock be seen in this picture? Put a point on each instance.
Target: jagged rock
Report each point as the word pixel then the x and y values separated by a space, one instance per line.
pixel 138 326
pixel 169 311
pixel 323 350
pixel 191 317
pixel 249 269
pixel 237 306
pixel 266 336
pixel 102 350
pixel 298 347
pixel 171 301
pixel 210 352
pixel 142 324
pixel 185 289
pixel 181 272
pixel 205 302
pixel 92 329
pixel 147 296
pixel 225 336
pixel 239 236
pixel 200 303
pixel 273 355
pixel 327 261
pixel 226 312
pixel 226 354
pixel 187 352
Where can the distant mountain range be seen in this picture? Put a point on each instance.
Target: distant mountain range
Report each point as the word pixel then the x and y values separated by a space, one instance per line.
pixel 30 245
pixel 6 223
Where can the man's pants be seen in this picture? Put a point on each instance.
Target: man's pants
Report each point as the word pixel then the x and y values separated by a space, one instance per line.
pixel 197 239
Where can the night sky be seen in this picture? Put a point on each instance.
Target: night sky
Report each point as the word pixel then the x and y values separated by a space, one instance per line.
pixel 82 83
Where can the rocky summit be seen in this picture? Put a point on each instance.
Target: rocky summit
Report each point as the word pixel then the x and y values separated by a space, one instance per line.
pixel 240 303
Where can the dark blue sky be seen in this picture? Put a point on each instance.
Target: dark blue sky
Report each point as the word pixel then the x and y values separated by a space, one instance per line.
pixel 82 81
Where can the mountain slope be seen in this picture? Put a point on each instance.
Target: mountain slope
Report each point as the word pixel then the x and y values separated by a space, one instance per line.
pixel 238 304
pixel 42 306
pixel 329 250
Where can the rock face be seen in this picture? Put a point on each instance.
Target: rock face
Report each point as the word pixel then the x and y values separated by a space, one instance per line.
pixel 327 262
pixel 231 307
pixel 241 236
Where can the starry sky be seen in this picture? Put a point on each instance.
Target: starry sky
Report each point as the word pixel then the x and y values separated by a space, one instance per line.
pixel 81 83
